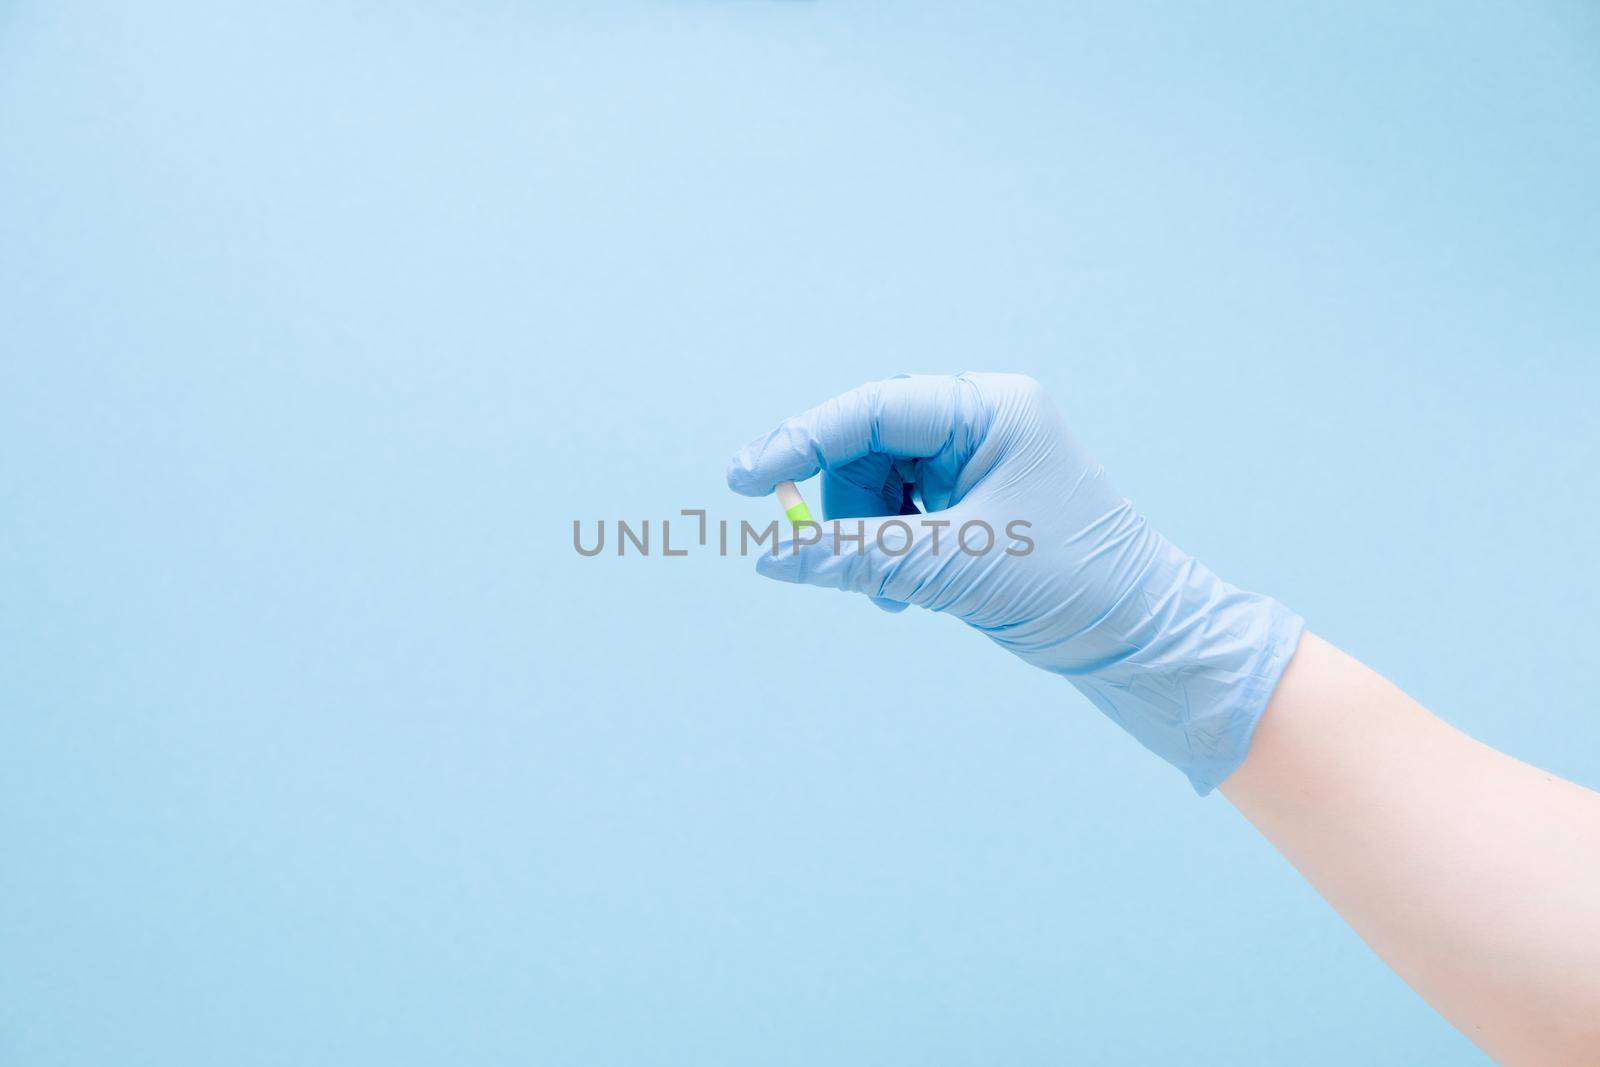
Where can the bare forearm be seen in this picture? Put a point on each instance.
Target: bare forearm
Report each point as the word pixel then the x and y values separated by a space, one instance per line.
pixel 1475 876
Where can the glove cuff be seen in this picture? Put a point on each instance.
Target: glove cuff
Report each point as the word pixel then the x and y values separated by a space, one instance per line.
pixel 1188 664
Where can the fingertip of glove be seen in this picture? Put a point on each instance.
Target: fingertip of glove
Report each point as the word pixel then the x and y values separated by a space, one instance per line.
pixel 744 472
pixel 738 474
pixel 783 567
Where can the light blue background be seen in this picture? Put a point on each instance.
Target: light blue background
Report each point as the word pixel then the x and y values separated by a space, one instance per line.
pixel 320 323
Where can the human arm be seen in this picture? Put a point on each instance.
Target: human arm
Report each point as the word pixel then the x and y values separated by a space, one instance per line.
pixel 1473 875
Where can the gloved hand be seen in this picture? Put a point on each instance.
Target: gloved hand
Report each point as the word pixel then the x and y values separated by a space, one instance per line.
pixel 1180 659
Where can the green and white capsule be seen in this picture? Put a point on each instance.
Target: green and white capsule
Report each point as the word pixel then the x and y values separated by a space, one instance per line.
pixel 793 504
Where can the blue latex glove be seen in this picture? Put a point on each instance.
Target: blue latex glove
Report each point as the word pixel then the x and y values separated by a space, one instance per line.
pixel 1180 659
